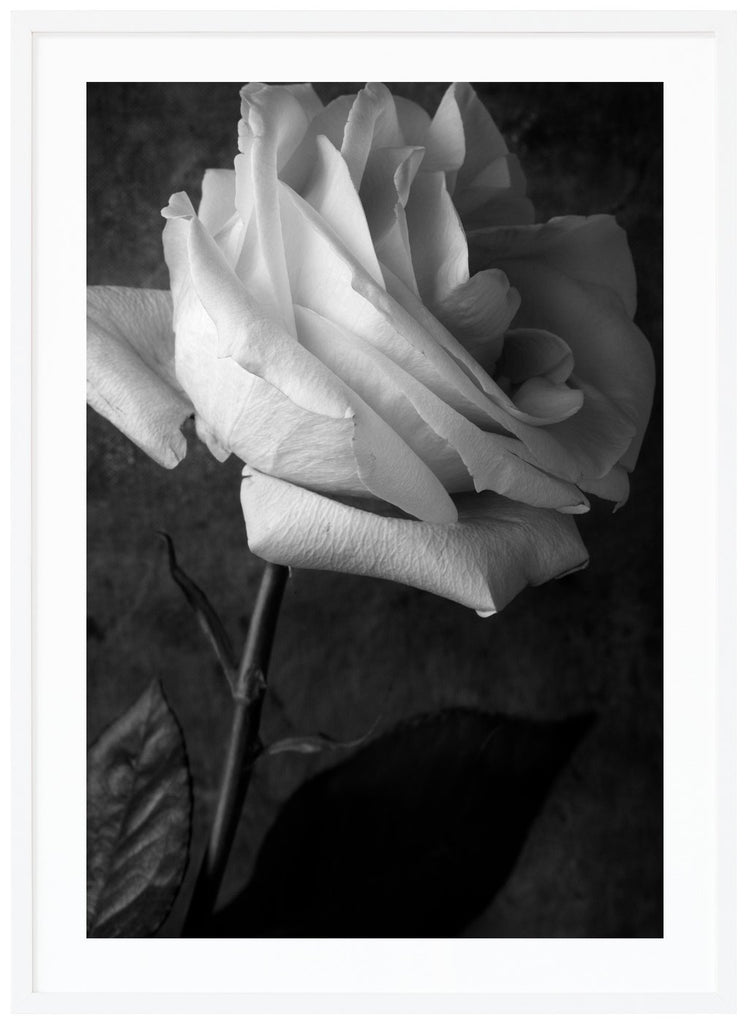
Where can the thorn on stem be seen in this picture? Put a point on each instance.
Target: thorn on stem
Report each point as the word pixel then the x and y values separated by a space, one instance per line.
pixel 317 744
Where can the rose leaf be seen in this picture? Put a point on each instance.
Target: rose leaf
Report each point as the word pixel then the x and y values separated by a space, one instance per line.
pixel 139 819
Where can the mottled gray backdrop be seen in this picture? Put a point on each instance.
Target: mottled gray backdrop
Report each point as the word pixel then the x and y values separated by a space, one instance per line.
pixel 349 649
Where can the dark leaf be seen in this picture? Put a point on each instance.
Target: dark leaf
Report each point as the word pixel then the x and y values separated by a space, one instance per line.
pixel 139 819
pixel 410 837
pixel 207 617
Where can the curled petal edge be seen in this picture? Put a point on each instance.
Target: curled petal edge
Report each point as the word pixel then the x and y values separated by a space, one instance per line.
pixel 614 486
pixel 496 548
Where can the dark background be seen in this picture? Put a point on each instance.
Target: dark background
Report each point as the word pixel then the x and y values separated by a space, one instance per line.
pixel 350 649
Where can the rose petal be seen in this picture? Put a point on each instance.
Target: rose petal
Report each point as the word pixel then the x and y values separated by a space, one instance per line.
pixel 558 448
pixel 433 430
pixel 209 437
pixel 218 202
pixel 478 313
pixel 371 376
pixel 414 122
pixel 332 194
pixel 276 123
pixel 372 123
pixel 437 240
pixel 593 250
pixel 241 413
pixel 445 145
pixel 600 433
pixel 130 369
pixel 326 446
pixel 488 173
pixel 386 184
pixel 274 114
pixel 388 466
pixel 501 181
pixel 274 403
pixel 230 240
pixel 384 191
pixel 238 411
pixel 501 173
pixel 597 436
pixel 478 207
pixel 484 144
pixel 496 549
pixel 326 280
pixel 532 353
pixel 330 122
pixel 615 486
pixel 257 342
pixel 475 310
pixel 541 397
pixel 355 456
pixel 306 95
pixel 475 393
pixel 571 300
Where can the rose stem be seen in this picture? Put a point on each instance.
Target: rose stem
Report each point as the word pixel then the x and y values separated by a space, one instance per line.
pixel 243 745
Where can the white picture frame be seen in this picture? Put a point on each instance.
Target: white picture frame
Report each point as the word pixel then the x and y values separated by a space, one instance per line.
pixel 698 971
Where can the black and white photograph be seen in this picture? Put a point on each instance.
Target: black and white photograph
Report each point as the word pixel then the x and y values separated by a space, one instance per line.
pixel 374 510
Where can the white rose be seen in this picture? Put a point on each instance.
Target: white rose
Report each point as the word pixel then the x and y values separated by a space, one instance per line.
pixel 423 384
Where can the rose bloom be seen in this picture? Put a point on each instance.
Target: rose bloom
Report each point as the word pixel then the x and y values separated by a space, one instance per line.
pixel 424 385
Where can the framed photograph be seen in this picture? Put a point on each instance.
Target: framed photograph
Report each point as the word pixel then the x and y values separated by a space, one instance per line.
pixel 404 684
